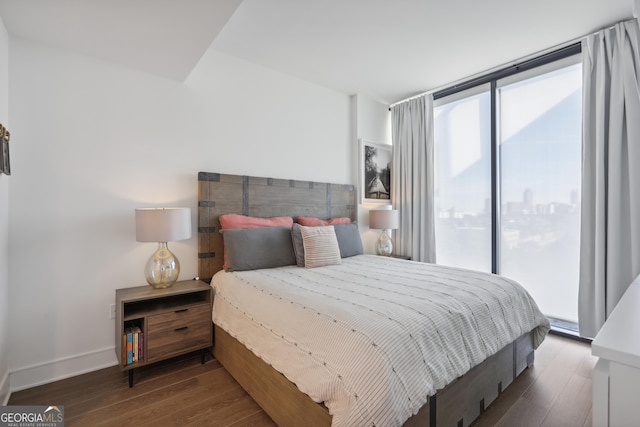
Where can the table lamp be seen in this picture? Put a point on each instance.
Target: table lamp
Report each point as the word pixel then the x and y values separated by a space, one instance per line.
pixel 384 220
pixel 162 225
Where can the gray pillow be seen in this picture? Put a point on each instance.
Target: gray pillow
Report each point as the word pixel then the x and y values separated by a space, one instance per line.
pixel 255 248
pixel 298 245
pixel 348 236
pixel 349 239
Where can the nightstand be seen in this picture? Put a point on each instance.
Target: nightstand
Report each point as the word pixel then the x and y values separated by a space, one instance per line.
pixel 408 258
pixel 157 324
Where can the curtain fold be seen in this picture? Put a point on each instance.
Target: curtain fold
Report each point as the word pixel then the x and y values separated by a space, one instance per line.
pixel 610 219
pixel 412 178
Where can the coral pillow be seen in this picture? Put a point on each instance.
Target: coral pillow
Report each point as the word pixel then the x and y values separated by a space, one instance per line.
pixel 311 221
pixel 242 221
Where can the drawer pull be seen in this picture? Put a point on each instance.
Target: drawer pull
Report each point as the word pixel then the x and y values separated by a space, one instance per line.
pixel 182 310
pixel 181 329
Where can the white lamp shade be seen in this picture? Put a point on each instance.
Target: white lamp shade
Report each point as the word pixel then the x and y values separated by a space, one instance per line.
pixel 384 219
pixel 163 224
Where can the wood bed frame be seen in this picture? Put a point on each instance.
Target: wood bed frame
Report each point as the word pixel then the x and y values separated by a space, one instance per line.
pixel 459 403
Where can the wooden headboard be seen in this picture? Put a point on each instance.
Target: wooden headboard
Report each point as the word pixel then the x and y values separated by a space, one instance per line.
pixel 260 197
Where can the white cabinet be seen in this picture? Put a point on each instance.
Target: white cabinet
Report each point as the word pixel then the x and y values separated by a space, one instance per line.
pixel 616 376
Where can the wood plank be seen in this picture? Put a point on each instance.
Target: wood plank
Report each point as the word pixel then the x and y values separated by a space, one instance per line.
pixel 231 410
pixel 572 405
pixel 259 419
pixel 163 401
pixel 523 413
pixel 146 384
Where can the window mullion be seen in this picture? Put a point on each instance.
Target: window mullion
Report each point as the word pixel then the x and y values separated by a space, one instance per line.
pixel 495 182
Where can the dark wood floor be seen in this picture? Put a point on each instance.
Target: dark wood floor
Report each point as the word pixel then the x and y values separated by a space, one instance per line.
pixel 556 391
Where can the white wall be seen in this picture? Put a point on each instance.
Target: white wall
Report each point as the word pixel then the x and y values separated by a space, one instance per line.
pixel 373 124
pixel 4 223
pixel 94 140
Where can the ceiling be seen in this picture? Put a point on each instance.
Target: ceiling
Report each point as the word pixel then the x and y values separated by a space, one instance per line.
pixel 387 50
pixel 163 37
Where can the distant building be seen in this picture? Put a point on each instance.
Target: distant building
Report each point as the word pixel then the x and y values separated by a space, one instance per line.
pixel 527 198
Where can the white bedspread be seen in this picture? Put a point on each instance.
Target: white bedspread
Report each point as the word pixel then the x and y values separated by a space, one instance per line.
pixel 374 336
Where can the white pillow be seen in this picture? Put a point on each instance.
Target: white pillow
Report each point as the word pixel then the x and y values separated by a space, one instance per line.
pixel 320 246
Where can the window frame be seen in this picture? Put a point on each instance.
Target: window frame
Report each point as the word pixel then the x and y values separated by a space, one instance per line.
pixel 540 65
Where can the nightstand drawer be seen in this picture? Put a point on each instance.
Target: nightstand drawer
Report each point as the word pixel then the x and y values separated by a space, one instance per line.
pixel 163 343
pixel 178 318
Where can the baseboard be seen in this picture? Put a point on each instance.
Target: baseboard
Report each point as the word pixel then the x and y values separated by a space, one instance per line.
pixel 67 367
pixel 4 390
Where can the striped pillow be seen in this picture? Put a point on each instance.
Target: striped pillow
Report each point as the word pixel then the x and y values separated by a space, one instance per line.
pixel 320 246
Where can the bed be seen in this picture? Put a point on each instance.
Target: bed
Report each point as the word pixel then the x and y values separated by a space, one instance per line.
pixel 466 360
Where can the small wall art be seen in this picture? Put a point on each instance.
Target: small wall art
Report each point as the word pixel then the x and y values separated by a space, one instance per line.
pixel 5 164
pixel 375 172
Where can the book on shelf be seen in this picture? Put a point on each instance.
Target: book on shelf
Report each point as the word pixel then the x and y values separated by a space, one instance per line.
pixel 132 345
pixel 124 349
pixel 134 353
pixel 129 334
pixel 136 343
pixel 140 345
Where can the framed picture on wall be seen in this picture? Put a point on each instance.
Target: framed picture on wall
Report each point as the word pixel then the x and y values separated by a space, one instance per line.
pixel 375 172
pixel 5 164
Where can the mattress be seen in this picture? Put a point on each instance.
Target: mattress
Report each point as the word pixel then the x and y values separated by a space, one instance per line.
pixel 373 337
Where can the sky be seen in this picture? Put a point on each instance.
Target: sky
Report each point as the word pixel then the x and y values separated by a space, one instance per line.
pixel 541 126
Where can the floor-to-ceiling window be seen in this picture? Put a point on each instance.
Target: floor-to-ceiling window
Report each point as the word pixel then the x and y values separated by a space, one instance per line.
pixel 508 172
pixel 463 179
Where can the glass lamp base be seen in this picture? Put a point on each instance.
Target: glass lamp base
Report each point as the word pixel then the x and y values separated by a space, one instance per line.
pixel 163 268
pixel 384 246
